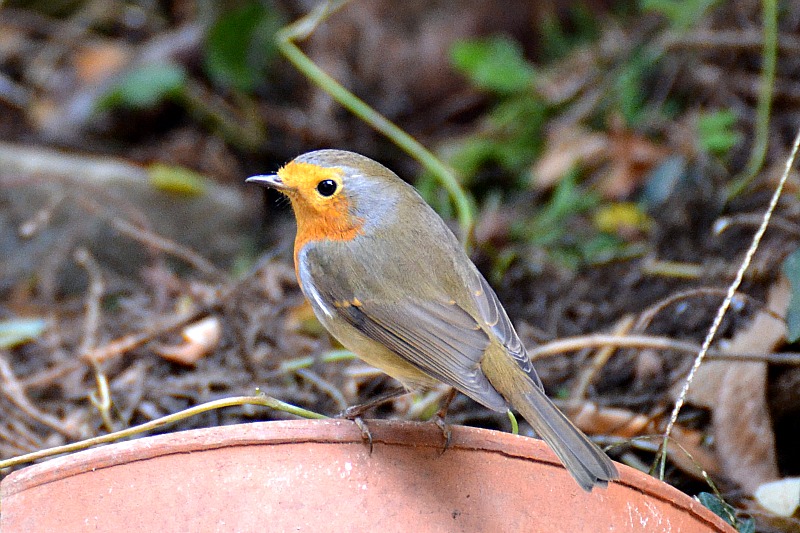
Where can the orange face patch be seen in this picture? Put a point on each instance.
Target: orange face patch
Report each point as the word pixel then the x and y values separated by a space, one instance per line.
pixel 318 217
pixel 305 176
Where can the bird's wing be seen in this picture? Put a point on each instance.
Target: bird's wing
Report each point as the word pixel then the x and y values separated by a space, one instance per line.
pixel 494 317
pixel 439 338
pixel 432 332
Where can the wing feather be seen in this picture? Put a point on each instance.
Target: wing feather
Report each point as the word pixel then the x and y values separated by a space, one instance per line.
pixel 429 329
pixel 440 339
pixel 495 318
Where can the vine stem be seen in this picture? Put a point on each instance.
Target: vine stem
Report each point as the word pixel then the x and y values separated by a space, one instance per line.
pixel 301 29
pixel 259 399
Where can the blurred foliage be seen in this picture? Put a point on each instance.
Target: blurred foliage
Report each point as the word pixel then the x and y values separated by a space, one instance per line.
pixel 176 180
pixel 681 14
pixel 629 96
pixel 726 512
pixel 146 86
pixel 557 41
pixel 241 46
pixel 510 137
pixel 239 50
pixel 569 241
pixel 18 331
pixel 791 269
pixel 498 154
pixel 512 131
pixel 550 224
pixel 495 64
pixel 715 132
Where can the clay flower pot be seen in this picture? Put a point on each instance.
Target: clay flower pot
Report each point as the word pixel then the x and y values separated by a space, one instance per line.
pixel 318 476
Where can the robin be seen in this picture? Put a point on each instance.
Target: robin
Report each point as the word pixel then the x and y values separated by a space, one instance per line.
pixel 389 280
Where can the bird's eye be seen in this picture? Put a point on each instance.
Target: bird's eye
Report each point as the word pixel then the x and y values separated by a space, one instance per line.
pixel 326 187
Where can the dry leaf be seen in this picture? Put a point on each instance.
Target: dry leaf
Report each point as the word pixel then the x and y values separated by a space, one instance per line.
pixel 736 393
pixel 591 418
pixel 567 147
pixel 627 155
pixel 98 61
pixel 631 157
pixel 780 497
pixel 687 449
pixel 201 338
pixel 568 78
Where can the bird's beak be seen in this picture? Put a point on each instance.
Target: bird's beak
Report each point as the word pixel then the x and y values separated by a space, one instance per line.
pixel 268 180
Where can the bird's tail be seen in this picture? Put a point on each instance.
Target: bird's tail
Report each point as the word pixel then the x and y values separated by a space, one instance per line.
pixel 587 463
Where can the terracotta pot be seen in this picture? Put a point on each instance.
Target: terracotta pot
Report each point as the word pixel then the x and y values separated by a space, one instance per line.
pixel 319 476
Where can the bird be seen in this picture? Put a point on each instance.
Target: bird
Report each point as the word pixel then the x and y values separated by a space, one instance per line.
pixel 390 281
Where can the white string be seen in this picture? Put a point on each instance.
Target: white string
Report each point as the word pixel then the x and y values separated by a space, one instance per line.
pixel 723 308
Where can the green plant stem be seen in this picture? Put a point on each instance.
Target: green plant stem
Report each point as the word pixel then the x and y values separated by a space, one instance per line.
pixel 241 126
pixel 514 423
pixel 260 399
pixel 301 29
pixel 332 356
pixel 763 108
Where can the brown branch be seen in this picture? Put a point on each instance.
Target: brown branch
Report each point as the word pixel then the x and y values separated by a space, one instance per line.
pixel 572 344
pixel 16 394
pixel 740 40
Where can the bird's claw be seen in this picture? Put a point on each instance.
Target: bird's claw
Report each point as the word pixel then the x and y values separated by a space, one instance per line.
pixel 446 433
pixel 439 419
pixel 366 435
pixel 354 413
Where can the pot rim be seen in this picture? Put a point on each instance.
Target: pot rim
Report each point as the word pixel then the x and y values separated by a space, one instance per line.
pixel 334 431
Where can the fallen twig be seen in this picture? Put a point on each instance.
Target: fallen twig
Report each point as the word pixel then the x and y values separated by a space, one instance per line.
pixel 16 393
pixel 266 401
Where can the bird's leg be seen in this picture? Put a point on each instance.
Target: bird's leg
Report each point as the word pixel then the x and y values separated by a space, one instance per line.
pixel 355 412
pixel 366 436
pixel 440 415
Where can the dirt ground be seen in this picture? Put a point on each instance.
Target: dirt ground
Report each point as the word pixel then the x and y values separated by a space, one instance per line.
pixel 605 185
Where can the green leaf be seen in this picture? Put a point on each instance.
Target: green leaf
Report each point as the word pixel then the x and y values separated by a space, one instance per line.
pixel 746 525
pixel 518 125
pixel 559 34
pixel 176 179
pixel 146 86
pixel 568 200
pixel 629 95
pixel 718 507
pixel 511 138
pixel 726 512
pixel 682 14
pixel 19 331
pixel 715 132
pixel 471 153
pixel 791 268
pixel 494 63
pixel 241 45
pixel 551 224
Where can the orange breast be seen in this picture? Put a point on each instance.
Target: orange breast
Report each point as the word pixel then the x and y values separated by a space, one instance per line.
pixel 318 218
pixel 333 224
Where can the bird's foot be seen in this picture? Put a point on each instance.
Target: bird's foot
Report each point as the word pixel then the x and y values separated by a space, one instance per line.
pixel 356 413
pixel 439 419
